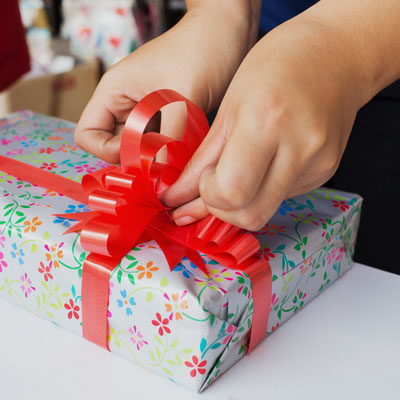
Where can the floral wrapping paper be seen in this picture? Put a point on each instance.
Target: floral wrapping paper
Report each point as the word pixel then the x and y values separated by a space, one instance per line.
pixel 184 325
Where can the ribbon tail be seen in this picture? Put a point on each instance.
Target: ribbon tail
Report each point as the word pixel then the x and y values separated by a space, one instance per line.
pixel 173 251
pixel 96 274
pixel 42 178
pixel 259 272
pixel 84 218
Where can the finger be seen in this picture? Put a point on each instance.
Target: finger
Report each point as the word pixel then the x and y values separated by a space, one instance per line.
pixel 236 178
pixel 101 123
pixel 273 190
pixel 190 212
pixel 186 188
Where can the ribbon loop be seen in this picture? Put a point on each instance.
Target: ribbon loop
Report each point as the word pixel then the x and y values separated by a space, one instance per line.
pixel 107 201
pixel 118 181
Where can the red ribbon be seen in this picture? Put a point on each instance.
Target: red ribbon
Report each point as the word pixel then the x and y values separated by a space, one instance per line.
pixel 127 212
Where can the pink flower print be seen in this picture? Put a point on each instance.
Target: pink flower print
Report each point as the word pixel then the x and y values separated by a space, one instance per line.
pixel 3 263
pixel 101 164
pixel 110 286
pixel 19 138
pixel 26 286
pixel 274 300
pixel 85 168
pixel 2 241
pixel 48 166
pixel 335 255
pixel 14 152
pixel 5 142
pixel 230 330
pixel 137 337
pixel 341 254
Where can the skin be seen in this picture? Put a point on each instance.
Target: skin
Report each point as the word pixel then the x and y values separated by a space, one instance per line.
pixel 287 105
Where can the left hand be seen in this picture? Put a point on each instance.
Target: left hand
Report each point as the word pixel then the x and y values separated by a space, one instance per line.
pixel 281 129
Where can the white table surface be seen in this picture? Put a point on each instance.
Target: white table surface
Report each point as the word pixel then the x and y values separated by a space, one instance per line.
pixel 344 345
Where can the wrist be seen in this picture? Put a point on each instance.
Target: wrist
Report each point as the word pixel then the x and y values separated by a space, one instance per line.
pixel 328 61
pixel 220 35
pixel 233 16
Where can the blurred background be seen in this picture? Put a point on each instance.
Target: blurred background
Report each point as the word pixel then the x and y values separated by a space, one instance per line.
pixel 71 43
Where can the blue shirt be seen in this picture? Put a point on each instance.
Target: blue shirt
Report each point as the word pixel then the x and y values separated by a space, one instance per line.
pixel 274 12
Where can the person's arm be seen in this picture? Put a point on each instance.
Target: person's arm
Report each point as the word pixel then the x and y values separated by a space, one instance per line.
pixel 197 57
pixel 286 117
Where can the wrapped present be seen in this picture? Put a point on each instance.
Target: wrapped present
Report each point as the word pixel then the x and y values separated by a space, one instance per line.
pixel 189 324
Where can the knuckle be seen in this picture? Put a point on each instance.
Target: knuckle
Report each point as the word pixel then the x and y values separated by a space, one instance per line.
pixel 250 220
pixel 78 136
pixel 328 165
pixel 315 141
pixel 232 195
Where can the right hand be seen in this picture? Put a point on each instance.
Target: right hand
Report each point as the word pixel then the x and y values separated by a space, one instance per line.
pixel 198 58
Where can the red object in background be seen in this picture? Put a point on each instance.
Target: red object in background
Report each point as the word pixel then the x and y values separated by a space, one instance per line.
pixel 14 55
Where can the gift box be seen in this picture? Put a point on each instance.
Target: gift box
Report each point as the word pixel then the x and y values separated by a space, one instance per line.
pixel 185 324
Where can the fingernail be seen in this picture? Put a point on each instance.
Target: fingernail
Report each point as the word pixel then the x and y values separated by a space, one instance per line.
pixel 185 220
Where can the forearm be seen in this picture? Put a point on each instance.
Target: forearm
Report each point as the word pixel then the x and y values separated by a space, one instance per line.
pixel 232 14
pixel 369 33
pixel 213 38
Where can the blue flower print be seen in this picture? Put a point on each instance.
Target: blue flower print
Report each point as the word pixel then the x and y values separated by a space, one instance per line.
pixel 70 210
pixel 186 272
pixel 29 143
pixel 125 302
pixel 64 221
pixel 17 253
pixel 284 208
pixel 75 209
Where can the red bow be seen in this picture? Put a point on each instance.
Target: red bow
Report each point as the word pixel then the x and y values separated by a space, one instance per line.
pixel 126 211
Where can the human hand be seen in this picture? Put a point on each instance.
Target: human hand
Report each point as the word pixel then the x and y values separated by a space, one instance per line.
pixel 280 131
pixel 197 58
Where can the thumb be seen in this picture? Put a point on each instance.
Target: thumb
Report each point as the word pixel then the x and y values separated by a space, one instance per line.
pixel 186 188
